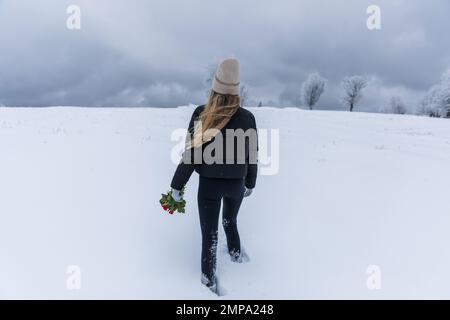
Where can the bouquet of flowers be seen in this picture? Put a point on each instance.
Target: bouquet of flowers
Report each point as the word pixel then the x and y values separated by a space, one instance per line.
pixel 169 204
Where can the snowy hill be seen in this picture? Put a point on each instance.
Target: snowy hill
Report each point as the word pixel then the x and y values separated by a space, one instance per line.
pixel 80 186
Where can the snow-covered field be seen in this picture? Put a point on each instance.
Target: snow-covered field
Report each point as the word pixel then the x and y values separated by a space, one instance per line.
pixel 80 186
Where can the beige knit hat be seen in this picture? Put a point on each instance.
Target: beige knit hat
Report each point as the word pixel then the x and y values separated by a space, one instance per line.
pixel 227 79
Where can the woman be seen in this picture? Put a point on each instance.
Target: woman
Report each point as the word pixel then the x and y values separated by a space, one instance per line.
pixel 225 134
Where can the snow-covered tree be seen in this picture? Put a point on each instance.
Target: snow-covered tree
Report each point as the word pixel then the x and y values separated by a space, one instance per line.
pixel 397 106
pixel 436 102
pixel 353 87
pixel 446 102
pixel 210 73
pixel 445 94
pixel 430 102
pixel 312 89
pixel 244 95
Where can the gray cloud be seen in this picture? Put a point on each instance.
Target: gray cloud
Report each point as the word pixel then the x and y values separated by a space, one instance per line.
pixel 157 53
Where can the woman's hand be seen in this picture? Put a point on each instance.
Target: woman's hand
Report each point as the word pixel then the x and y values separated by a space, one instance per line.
pixel 173 201
pixel 247 192
pixel 176 195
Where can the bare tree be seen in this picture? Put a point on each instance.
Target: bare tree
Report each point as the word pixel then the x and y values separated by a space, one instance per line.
pixel 312 89
pixel 243 95
pixel 353 87
pixel 211 72
pixel 397 106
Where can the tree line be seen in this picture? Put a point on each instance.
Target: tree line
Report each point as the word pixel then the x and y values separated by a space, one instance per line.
pixel 435 102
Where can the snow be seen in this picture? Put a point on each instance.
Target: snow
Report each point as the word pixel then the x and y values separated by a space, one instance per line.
pixel 80 186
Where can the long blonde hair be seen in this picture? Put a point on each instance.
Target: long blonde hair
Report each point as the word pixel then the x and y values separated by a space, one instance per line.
pixel 217 113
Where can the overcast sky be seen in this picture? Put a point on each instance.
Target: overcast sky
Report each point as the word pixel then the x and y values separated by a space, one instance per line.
pixel 158 53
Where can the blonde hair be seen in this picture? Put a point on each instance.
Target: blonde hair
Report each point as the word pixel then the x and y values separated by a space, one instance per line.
pixel 217 113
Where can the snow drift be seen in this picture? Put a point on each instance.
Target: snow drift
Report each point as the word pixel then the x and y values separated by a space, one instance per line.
pixel 80 186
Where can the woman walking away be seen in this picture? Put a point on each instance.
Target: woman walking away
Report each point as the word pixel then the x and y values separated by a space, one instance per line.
pixel 222 148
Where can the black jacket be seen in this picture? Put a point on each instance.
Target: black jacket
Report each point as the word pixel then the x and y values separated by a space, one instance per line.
pixel 234 166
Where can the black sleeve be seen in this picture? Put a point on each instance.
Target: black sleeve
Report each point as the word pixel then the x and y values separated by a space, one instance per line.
pixel 186 166
pixel 252 171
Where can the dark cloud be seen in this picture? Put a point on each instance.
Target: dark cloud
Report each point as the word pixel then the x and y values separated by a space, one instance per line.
pixel 159 53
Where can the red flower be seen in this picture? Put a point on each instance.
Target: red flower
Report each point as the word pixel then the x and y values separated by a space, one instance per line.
pixel 169 204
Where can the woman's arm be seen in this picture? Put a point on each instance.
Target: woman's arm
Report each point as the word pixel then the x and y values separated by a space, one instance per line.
pixel 186 166
pixel 252 171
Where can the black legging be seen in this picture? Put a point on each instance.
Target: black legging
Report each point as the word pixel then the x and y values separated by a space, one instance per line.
pixel 210 193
